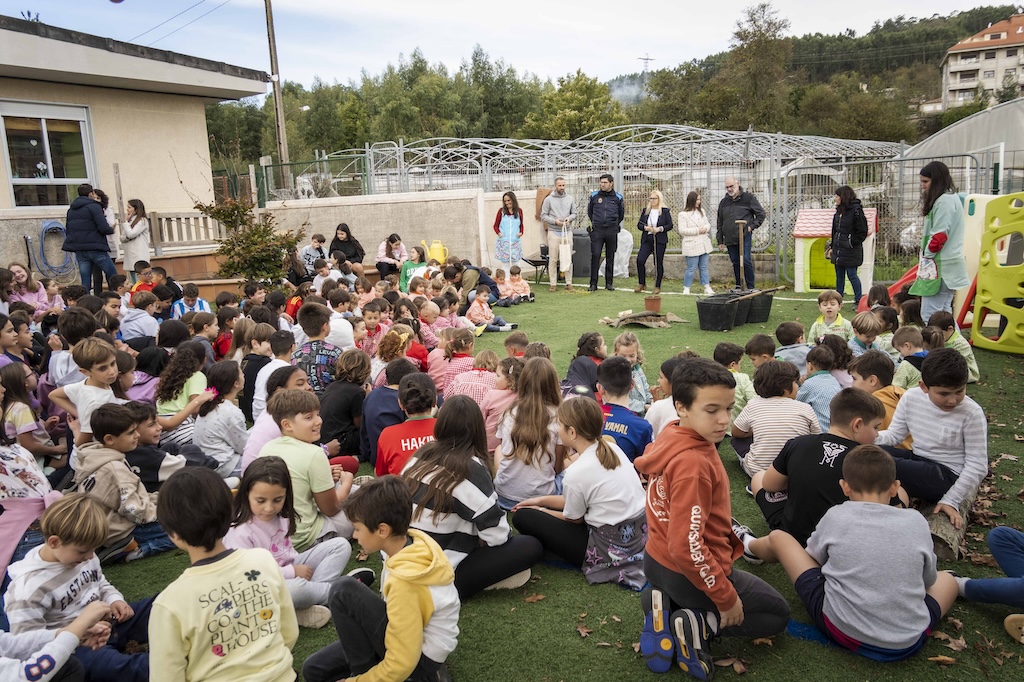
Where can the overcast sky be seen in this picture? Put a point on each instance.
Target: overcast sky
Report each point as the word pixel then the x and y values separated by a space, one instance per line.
pixel 337 40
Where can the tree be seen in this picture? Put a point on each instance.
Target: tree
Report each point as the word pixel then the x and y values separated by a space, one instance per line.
pixel 579 105
pixel 253 248
pixel 234 132
pixel 1010 90
pixel 671 95
pixel 979 103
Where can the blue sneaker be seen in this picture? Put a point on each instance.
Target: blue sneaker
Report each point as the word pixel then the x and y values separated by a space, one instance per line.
pixel 656 643
pixel 692 637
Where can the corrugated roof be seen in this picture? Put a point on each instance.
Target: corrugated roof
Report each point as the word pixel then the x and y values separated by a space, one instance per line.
pixel 1012 27
pixel 817 222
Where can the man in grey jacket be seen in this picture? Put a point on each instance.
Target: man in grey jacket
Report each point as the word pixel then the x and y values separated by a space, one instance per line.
pixel 557 213
pixel 738 205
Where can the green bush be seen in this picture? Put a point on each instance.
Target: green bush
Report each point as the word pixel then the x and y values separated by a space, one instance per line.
pixel 253 249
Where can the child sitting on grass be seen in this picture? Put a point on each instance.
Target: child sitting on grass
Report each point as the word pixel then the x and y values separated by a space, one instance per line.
pixel 319 488
pixel 631 432
pixel 396 443
pixel 819 386
pixel 480 314
pixel 866 328
pixel 47 655
pixel 944 321
pixel 772 418
pixel 1007 547
pixel 316 357
pixel 880 605
pixel 205 330
pixel 140 322
pixel 264 518
pixel 950 457
pixel 228 616
pixel 500 398
pixel 890 325
pixel 57 581
pixel 104 476
pixel 803 481
pixel 476 382
pixel 628 346
pixel 730 356
pixel 220 427
pixel 696 593
pixel 830 302
pixel 842 355
pixel 910 345
pixel 155 464
pixel 760 349
pixel 598 522
pixel 792 346
pixel 871 374
pixel 663 412
pixel 409 633
pixel 96 360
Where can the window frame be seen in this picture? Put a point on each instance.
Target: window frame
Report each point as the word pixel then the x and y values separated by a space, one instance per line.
pixel 43 111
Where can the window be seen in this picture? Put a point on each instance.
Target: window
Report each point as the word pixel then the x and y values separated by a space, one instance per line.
pixel 995 36
pixel 968 76
pixel 990 55
pixel 965 96
pixel 969 58
pixel 1012 52
pixel 47 152
pixel 1010 72
pixel 989 74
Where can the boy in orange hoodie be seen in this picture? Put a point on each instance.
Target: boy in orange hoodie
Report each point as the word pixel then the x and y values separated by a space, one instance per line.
pixel 695 593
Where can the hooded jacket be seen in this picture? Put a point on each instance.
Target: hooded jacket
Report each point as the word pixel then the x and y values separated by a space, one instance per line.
pixel 849 230
pixel 423 609
pixel 104 475
pixel 689 515
pixel 85 227
pixel 744 207
pixel 558 206
pixel 138 323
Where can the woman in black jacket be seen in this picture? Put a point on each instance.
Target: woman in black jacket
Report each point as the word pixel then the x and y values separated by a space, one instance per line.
pixel 849 230
pixel 348 245
pixel 654 224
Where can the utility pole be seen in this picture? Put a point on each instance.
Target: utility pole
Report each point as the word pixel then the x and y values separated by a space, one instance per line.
pixel 275 80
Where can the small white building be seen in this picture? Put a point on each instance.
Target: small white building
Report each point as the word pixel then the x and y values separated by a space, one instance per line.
pixel 986 60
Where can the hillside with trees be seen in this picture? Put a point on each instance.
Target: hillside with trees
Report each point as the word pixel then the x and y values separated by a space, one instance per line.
pixel 843 85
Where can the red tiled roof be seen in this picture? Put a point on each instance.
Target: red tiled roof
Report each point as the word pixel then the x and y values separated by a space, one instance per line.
pixel 1012 27
pixel 817 222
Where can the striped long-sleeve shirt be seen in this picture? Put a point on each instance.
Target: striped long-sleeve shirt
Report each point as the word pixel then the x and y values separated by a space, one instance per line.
pixel 476 514
pixel 957 439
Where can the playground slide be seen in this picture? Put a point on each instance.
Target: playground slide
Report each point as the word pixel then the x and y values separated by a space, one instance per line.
pixel 908 278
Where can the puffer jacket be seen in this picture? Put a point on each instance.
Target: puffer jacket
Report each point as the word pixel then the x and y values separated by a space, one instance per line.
pixel 86 227
pixel 849 230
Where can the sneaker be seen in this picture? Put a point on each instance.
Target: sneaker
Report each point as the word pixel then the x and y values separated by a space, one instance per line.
pixel 656 642
pixel 506 328
pixel 116 552
pixel 961 583
pixel 551 288
pixel 592 287
pixel 708 291
pixel 692 637
pixel 568 287
pixel 1014 625
pixel 531 297
pixel 514 325
pixel 443 675
pixel 744 532
pixel 513 581
pixel 314 617
pixel 686 291
pixel 364 575
pixel 609 287
pixel 362 480
pixel 480 330
pixel 233 482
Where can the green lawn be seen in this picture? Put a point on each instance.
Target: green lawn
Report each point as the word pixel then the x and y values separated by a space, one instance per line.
pixel 505 637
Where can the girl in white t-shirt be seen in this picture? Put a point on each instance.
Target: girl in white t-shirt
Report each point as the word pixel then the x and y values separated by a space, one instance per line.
pixel 599 521
pixel 530 454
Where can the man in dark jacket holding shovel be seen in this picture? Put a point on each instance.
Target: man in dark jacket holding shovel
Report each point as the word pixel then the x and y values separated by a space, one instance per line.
pixel 86 233
pixel 738 205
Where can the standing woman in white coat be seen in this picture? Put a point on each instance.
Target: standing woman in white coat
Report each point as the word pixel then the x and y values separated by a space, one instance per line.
pixel 695 230
pixel 135 237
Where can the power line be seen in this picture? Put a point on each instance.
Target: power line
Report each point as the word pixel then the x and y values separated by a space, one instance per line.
pixel 164 22
pixel 188 23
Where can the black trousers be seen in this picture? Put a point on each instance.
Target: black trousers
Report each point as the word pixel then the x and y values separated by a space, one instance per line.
pixel 647 247
pixel 921 477
pixel 566 539
pixel 485 566
pixel 606 238
pixel 386 269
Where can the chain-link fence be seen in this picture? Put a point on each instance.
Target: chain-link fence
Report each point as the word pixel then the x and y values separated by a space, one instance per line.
pixel 330 176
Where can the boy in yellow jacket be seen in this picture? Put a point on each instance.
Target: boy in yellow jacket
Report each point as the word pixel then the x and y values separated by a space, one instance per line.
pixel 409 634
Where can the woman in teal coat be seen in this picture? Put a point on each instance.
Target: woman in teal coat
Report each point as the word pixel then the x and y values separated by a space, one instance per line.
pixel 942 269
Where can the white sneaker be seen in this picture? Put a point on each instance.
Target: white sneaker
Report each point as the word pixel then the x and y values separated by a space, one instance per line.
pixel 233 482
pixel 506 328
pixel 314 617
pixel 708 291
pixel 513 581
pixel 686 291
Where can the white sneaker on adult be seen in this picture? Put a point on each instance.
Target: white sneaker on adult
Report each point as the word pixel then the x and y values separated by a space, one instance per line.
pixel 708 291
pixel 686 291
pixel 314 617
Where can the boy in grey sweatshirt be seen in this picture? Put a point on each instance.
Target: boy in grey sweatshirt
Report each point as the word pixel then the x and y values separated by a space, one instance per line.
pixel 880 604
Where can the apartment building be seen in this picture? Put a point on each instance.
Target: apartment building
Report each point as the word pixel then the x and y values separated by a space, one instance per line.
pixel 986 60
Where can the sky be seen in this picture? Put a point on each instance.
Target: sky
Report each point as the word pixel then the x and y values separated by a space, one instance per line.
pixel 337 40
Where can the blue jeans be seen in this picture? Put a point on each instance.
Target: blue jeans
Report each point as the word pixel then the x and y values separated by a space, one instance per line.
pixel 152 539
pixel 110 662
pixel 30 540
pixel 693 263
pixel 842 274
pixel 495 324
pixel 748 263
pixel 87 260
pixel 1007 547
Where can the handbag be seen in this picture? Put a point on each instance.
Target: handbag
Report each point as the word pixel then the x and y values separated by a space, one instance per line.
pixel 564 252
pixel 929 274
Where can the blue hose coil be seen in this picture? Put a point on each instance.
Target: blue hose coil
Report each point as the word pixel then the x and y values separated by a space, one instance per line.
pixel 69 266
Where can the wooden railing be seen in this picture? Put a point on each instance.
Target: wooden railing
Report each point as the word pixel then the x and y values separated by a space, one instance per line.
pixel 184 229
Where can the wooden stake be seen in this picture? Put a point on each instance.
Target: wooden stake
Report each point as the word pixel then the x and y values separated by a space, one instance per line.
pixel 741 225
pixel 117 190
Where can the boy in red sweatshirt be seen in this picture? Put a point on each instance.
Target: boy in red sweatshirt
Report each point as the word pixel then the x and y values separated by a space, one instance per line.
pixel 695 593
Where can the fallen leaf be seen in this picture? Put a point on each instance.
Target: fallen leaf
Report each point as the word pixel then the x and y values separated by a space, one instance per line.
pixel 534 598
pixel 1005 477
pixel 583 615
pixel 956 644
pixel 636 647
pixel 764 640
pixel 608 644
pixel 725 662
pixel 1019 438
pixel 942 636
pixel 616 619
pixel 513 610
pixel 583 630
pixel 739 668
pixel 943 660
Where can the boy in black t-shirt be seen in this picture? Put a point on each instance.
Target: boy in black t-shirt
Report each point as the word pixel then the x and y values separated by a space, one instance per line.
pixel 803 481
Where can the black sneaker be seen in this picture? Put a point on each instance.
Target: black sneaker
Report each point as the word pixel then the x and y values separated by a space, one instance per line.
pixel 743 532
pixel 513 325
pixel 116 552
pixel 364 575
pixel 692 638
pixel 592 287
